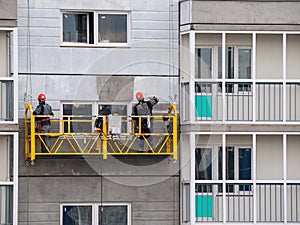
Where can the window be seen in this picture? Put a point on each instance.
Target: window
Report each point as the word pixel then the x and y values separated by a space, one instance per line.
pixel 112 28
pixel 116 110
pixel 112 215
pixel 95 28
pixel 95 214
pixel 75 27
pixel 237 66
pixel 238 167
pixel 236 171
pixel 73 214
pixel 73 114
pixel 203 63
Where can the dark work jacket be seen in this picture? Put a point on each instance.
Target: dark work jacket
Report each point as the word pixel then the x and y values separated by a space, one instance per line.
pixel 43 109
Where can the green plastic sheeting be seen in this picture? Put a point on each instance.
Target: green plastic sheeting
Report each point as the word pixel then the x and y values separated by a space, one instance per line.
pixel 204 206
pixel 203 106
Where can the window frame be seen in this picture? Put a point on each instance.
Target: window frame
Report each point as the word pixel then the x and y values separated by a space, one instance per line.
pixel 215 166
pixel 95 107
pixel 111 44
pixel 62 127
pixel 215 68
pixel 95 30
pixel 66 43
pixel 95 210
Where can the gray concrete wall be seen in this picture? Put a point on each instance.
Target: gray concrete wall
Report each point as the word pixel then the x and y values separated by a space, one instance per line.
pixel 93 74
pixel 148 53
pixel 40 198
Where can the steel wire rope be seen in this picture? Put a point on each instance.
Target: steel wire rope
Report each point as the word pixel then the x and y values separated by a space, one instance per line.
pixel 28 64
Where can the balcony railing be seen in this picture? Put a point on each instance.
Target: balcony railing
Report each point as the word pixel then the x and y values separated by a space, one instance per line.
pixel 271 203
pixel 6 204
pixel 239 101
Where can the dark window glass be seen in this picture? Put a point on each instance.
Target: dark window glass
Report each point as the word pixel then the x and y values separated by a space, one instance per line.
pixel 112 28
pixel 203 63
pixel 74 114
pixel 77 215
pixel 229 63
pixel 245 63
pixel 75 27
pixel 245 167
pixel 203 164
pixel 112 215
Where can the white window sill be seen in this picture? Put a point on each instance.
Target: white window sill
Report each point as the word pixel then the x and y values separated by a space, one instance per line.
pixel 99 45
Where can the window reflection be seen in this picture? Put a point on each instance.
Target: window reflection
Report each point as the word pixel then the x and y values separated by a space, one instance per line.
pixel 112 28
pixel 75 27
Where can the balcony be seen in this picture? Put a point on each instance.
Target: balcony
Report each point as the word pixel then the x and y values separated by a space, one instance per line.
pixel 240 98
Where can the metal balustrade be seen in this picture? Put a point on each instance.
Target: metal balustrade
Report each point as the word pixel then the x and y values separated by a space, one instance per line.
pixel 293 202
pixel 270 202
pixel 6 204
pixel 239 200
pixel 292 101
pixel 239 101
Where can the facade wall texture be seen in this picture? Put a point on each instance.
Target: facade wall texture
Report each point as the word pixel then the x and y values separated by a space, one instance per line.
pixel 93 74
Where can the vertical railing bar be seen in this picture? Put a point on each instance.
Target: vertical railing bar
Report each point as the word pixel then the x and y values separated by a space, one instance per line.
pixel 259 205
pixel 296 203
pixel 276 202
pixel 206 206
pixel 228 199
pixel 239 204
pixel 250 203
pixel 281 202
pixel 207 93
pixel 1 189
pixel 249 87
pixel 264 104
pixel 295 102
pixel 269 108
pixel 274 101
pixel 291 188
pixel 270 202
pixel 280 109
pixel 238 103
pixel 290 100
pixel 244 202
pixel 265 202
pixel 258 101
pixel 227 101
pixel 232 100
pixel 233 209
pixel 242 103
pixel 217 101
pixel 218 206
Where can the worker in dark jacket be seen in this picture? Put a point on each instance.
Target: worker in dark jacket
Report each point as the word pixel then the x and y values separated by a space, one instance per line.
pixel 43 123
pixel 144 108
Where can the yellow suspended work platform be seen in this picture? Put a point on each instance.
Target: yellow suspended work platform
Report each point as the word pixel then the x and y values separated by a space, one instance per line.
pixel 76 135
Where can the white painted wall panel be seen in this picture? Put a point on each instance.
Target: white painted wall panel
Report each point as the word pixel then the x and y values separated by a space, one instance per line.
pixel 293 56
pixel 269 157
pixel 293 156
pixel 269 57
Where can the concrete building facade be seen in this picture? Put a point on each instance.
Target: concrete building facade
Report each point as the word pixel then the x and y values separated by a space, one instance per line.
pixel 83 55
pixel 239 111
pixel 8 112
